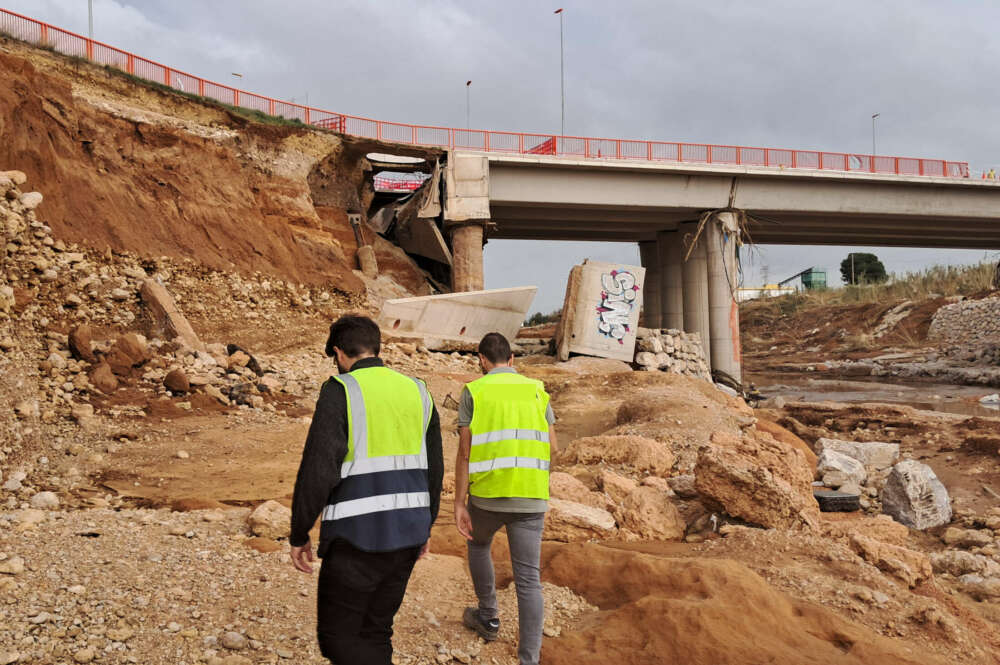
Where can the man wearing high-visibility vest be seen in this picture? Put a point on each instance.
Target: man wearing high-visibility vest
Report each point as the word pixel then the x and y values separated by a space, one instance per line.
pixel 506 435
pixel 373 466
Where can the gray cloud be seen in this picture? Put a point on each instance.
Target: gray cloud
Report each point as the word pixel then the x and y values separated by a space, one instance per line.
pixel 783 73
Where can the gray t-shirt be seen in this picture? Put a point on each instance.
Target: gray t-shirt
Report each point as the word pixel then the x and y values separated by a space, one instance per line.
pixel 505 504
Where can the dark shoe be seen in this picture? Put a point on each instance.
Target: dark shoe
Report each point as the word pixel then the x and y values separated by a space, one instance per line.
pixel 488 630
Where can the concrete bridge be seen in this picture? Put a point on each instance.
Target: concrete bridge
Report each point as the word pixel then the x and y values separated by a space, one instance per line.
pixel 689 219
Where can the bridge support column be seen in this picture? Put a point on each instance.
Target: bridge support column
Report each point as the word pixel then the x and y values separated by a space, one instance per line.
pixel 695 280
pixel 467 257
pixel 721 234
pixel 466 214
pixel 671 253
pixel 651 316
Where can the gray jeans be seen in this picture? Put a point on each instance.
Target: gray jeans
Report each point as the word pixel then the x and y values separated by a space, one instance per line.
pixel 524 536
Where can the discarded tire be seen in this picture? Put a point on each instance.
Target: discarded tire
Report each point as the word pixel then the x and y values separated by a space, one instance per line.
pixel 831 501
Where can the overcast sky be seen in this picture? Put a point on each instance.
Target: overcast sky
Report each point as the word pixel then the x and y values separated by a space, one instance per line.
pixel 784 73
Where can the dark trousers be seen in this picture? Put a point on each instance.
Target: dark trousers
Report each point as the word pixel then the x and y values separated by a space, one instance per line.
pixel 359 595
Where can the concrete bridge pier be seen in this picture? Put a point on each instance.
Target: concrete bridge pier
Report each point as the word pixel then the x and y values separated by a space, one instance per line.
pixel 466 215
pixel 720 236
pixel 651 289
pixel 670 250
pixel 695 280
pixel 467 257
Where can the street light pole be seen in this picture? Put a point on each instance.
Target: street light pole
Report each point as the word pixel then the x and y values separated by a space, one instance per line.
pixel 90 18
pixel 562 77
pixel 874 115
pixel 468 87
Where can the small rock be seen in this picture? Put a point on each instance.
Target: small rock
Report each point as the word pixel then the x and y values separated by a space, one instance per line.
pixel 233 640
pixel 183 454
pixel 45 501
pixel 31 200
pixel 27 408
pixel 270 520
pixel 12 566
pixel 177 381
pixel 84 655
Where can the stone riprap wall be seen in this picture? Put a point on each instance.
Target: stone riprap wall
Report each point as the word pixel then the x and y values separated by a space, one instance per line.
pixel 671 351
pixel 972 322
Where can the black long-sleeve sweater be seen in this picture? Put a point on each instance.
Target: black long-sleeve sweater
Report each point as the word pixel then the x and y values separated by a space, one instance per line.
pixel 324 452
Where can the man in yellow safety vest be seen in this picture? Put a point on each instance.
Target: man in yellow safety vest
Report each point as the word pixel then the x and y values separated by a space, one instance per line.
pixel 506 436
pixel 373 467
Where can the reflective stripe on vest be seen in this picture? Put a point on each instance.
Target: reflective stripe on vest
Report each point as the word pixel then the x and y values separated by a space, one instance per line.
pixel 508 463
pixel 382 501
pixel 377 504
pixel 505 434
pixel 510 439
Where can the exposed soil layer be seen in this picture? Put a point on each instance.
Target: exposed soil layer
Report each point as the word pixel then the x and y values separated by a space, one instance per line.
pixel 152 172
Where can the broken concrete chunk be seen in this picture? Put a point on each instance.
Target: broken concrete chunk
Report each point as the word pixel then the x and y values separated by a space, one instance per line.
pixel 914 496
pixel 875 454
pixel 837 469
pixel 169 321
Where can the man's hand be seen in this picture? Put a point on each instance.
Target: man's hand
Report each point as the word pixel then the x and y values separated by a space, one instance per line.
pixel 463 520
pixel 302 557
pixel 424 550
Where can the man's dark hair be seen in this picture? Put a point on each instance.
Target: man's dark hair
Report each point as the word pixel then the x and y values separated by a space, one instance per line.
pixel 354 335
pixel 495 348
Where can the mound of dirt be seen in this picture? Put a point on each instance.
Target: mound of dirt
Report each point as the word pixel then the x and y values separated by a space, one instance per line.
pixel 700 612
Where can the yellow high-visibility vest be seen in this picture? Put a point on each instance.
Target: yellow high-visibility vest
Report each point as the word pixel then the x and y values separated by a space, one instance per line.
pixel 509 456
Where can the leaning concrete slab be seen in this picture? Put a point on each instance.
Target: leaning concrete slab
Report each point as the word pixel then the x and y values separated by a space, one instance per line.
pixel 462 317
pixel 601 311
pixel 167 319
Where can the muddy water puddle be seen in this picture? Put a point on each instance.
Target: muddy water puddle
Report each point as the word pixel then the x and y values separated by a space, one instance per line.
pixel 945 398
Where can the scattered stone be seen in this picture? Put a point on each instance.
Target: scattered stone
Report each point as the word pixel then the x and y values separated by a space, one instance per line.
pixel 81 343
pixel 183 454
pixel 177 381
pixel 636 453
pixel 914 496
pixel 12 566
pixel 216 394
pixel 617 486
pixel 270 520
pixel 103 378
pixel 233 640
pixel 45 501
pixel 564 486
pixel 981 588
pixel 27 408
pixel 30 200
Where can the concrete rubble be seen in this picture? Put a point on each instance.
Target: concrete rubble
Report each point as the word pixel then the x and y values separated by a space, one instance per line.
pixel 914 496
pixel 673 351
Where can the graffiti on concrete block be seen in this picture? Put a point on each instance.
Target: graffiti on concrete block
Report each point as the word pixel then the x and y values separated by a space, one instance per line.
pixel 618 297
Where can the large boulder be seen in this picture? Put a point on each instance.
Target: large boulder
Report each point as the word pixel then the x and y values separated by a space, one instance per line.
pixel 967 538
pixel 649 514
pixel 908 565
pixel 914 496
pixel 635 453
pixel 837 469
pixel 129 351
pixel 570 521
pixel 270 520
pixel 758 479
pixel 786 436
pixel 874 454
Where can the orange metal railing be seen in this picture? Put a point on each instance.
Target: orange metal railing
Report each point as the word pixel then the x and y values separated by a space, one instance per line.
pixel 38 32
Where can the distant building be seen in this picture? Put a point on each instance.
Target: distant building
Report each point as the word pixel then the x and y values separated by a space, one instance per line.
pixel 766 291
pixel 808 279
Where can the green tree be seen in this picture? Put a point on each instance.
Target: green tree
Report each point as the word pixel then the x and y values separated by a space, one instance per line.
pixel 862 268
